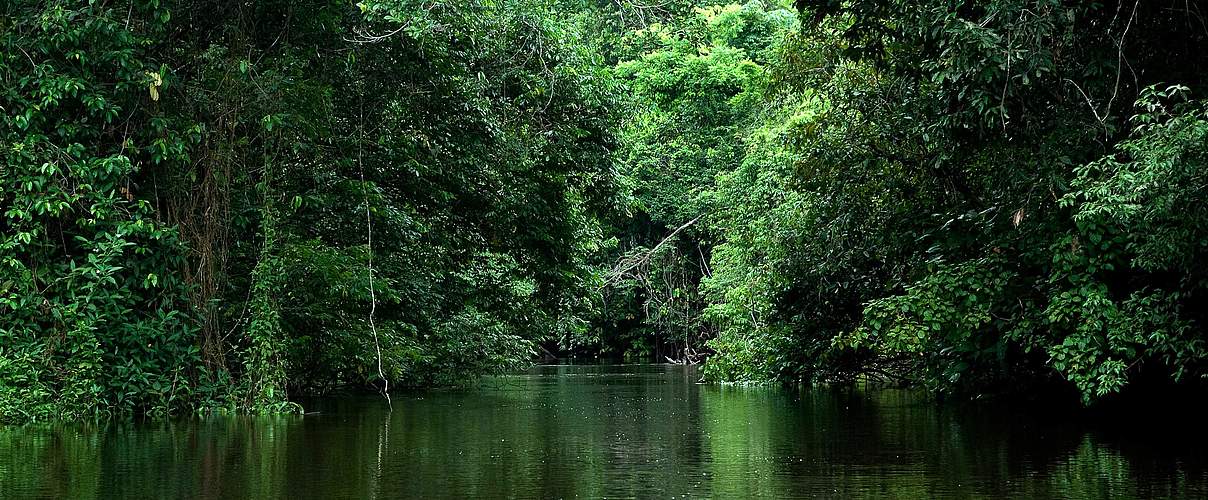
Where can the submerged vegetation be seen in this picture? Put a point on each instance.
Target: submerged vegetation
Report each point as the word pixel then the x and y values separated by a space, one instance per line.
pixel 207 206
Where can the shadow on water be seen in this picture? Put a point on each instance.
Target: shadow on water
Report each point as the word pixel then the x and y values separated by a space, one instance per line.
pixel 620 431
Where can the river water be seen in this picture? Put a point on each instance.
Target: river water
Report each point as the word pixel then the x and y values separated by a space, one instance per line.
pixel 633 431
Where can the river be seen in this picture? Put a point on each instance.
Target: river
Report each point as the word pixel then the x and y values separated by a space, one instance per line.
pixel 620 431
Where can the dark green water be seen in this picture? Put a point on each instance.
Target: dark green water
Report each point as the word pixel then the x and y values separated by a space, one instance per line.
pixel 608 431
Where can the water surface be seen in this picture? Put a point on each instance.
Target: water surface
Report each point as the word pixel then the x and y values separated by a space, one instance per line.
pixel 638 431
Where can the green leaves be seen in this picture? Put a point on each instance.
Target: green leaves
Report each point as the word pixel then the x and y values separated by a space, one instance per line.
pixel 918 189
pixel 1152 186
pixel 90 317
pixel 695 82
pixel 942 210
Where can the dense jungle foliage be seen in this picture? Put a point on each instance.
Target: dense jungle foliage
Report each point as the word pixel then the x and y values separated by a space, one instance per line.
pixel 217 206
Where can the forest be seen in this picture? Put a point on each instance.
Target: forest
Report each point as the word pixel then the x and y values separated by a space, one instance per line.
pixel 211 206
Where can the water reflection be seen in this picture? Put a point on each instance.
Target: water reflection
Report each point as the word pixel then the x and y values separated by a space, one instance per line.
pixel 606 431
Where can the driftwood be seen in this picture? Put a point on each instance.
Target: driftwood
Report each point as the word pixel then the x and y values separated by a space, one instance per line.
pixel 636 264
pixel 636 267
pixel 691 357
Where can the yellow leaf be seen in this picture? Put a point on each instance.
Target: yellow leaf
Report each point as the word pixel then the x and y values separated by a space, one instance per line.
pixel 153 87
